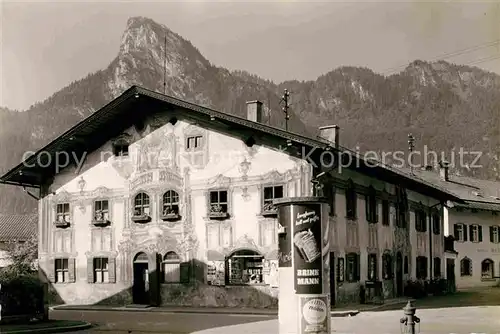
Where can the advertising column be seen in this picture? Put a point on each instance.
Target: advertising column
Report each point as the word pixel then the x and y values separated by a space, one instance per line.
pixel 304 303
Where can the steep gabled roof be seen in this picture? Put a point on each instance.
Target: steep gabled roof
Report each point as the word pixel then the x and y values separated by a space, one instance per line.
pixel 136 103
pixel 475 193
pixel 18 227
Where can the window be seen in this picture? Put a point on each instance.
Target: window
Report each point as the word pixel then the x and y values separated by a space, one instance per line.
pixel 421 267
pixel 371 206
pixel 436 224
pixel 385 213
pixel 141 205
pixel 171 268
pixel 350 200
pixel 270 193
pixel 101 210
pixel 170 208
pixel 194 143
pixel 245 268
pixel 420 221
pixel 487 269
pixel 218 204
pixel 62 270
pixel 372 267
pixel 101 272
pixel 352 267
pixel 437 267
pixel 340 269
pixel 460 232
pixel 476 233
pixel 62 214
pixel 465 267
pixel 120 147
pixel 406 265
pixel 495 234
pixel 401 207
pixel 387 272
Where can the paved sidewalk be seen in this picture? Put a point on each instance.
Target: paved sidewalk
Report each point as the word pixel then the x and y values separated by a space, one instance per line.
pixel 340 312
pixel 51 326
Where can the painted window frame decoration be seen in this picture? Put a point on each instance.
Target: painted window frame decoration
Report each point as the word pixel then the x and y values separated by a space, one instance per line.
pixel 170 205
pixel 465 267
pixel 141 211
pixel 268 208
pixel 101 216
pixel 476 233
pixel 62 217
pixel 219 209
pixel 196 146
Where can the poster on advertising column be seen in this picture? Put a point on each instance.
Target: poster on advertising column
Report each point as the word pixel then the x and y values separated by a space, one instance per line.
pixel 314 315
pixel 307 244
pixel 284 244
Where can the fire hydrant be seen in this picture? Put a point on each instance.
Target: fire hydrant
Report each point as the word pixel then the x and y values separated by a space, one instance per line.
pixel 410 319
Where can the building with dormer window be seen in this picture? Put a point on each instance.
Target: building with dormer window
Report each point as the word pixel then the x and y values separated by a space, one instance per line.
pixel 171 203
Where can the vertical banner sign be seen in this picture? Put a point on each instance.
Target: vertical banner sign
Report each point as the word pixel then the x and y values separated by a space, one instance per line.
pixel 284 242
pixel 325 249
pixel 307 243
pixel 314 315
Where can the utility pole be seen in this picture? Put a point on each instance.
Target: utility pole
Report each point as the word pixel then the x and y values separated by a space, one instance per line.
pixel 165 67
pixel 411 146
pixel 284 99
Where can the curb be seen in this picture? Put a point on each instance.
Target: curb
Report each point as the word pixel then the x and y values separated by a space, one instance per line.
pixel 73 328
pixel 334 314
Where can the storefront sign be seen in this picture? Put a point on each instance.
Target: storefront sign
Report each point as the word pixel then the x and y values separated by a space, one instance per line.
pixel 284 242
pixel 486 250
pixel 307 241
pixel 314 315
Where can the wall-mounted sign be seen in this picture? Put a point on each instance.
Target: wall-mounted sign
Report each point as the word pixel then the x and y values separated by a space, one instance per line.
pixel 314 315
pixel 307 241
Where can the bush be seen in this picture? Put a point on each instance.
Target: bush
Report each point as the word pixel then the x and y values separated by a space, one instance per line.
pixel 20 294
pixel 415 289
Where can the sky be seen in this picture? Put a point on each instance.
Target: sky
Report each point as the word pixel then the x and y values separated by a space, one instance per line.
pixel 44 45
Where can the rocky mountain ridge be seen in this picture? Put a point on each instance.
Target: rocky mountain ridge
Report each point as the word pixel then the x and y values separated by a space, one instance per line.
pixel 445 106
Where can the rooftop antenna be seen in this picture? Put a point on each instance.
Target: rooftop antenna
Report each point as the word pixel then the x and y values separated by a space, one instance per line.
pixel 165 67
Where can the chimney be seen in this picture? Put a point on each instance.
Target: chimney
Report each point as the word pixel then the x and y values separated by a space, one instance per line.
pixel 330 133
pixel 443 170
pixel 254 111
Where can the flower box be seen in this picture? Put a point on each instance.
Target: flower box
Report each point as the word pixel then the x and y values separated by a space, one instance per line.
pixel 169 216
pixel 141 218
pixel 61 223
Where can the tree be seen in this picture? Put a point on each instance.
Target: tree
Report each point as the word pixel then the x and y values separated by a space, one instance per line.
pixel 23 255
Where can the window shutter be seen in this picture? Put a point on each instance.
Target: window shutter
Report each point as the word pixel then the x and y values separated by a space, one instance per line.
pixel 491 233
pixel 480 232
pixel 471 235
pixel 367 209
pixel 185 271
pixel 424 221
pixel 71 270
pixel 90 270
pixel 358 267
pixel 112 270
pixel 465 232
pixel 455 231
pixel 51 271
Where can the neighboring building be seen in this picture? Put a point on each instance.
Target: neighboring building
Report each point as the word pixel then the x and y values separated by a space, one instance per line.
pixel 173 205
pixel 15 228
pixel 474 224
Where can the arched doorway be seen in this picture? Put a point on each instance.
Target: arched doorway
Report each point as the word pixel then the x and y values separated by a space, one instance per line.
pixel 399 274
pixel 140 287
pixel 244 267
